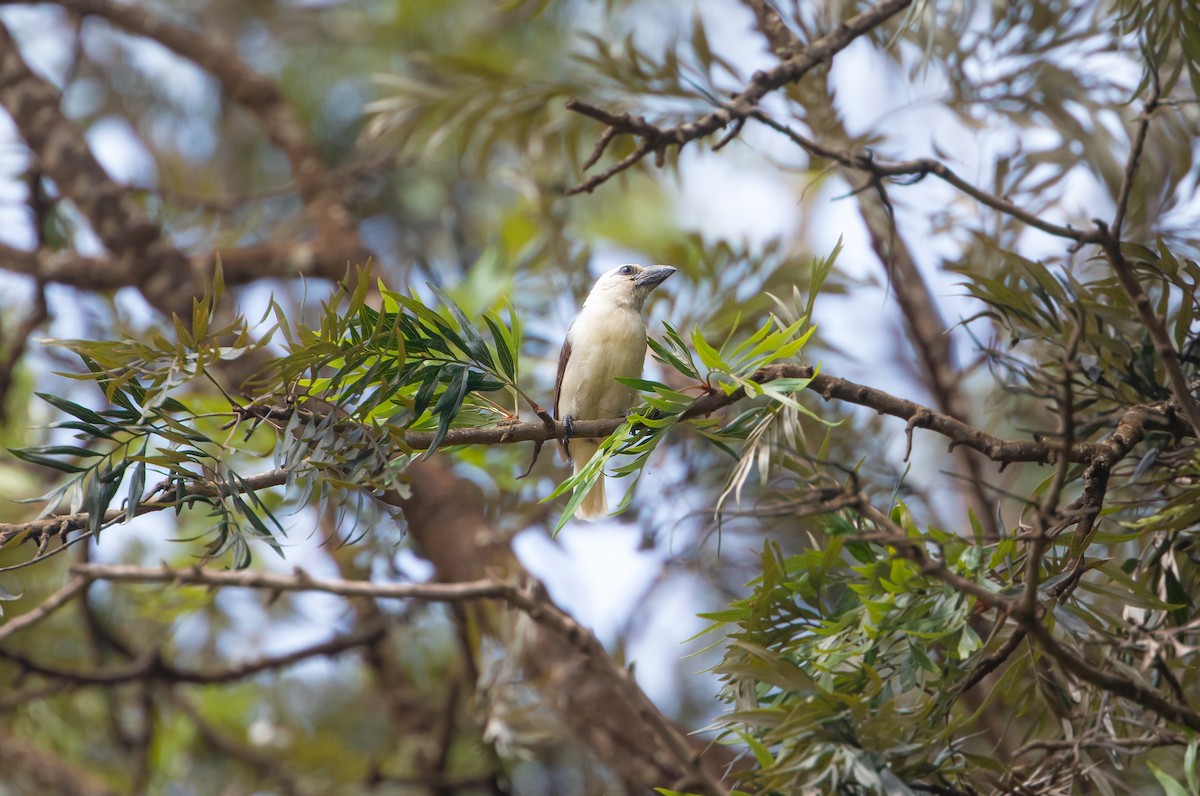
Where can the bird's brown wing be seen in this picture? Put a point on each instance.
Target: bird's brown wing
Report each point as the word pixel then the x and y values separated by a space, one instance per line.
pixel 563 356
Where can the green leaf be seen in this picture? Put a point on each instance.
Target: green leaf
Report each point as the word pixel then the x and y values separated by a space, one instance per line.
pixel 640 384
pixel 1170 785
pixel 74 409
pixel 668 357
pixel 33 457
pixel 449 404
pixel 709 356
pixel 137 483
pixel 90 430
pixel 474 344
pixel 508 362
pixel 1189 766
pixel 430 377
pixel 70 450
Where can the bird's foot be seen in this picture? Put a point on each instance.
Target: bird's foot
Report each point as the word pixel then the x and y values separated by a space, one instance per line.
pixel 568 427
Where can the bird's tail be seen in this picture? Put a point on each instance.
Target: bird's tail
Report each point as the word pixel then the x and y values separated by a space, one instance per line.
pixel 594 504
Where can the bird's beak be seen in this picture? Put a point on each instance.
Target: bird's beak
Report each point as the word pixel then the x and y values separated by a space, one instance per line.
pixel 653 276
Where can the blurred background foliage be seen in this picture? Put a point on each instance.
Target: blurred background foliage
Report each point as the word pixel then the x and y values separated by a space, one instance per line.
pixel 838 664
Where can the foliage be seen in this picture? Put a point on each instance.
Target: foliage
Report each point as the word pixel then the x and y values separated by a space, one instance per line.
pixel 1013 615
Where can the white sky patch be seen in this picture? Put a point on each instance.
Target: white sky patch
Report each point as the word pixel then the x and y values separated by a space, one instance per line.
pixel 731 33
pixel 121 152
pixel 15 229
pixel 41 35
pixel 661 648
pixel 259 48
pixel 594 571
pixel 720 198
pixel 178 79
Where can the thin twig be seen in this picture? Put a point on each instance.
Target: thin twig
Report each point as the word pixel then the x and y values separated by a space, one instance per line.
pixel 1048 509
pixel 742 104
pixel 45 608
pixel 299 581
pixel 263 765
pixel 1074 662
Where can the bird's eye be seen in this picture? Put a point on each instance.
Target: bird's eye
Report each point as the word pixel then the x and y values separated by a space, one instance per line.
pixel 627 270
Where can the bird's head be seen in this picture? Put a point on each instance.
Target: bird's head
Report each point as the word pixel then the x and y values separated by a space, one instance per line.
pixel 628 285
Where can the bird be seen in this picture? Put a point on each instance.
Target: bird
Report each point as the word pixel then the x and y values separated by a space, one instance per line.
pixel 606 340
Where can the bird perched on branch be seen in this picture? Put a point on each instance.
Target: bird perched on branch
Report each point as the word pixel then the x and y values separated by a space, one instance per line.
pixel 606 340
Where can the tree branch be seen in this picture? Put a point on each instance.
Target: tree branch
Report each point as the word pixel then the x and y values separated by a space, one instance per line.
pixel 595 696
pixel 528 598
pixel 1029 618
pixel 261 96
pixel 741 105
pixel 1111 243
pixel 931 339
pixel 48 606
pixel 1135 422
pixel 150 665
pixel 920 168
pixel 239 266
pixel 1105 236
pixel 1074 662
pixel 300 581
pixel 142 255
pixel 914 550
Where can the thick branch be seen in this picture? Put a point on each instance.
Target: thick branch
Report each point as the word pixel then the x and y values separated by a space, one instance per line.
pixel 238 266
pixel 261 96
pixel 142 255
pixel 282 261
pixel 1137 692
pixel 48 606
pixel 593 694
pixel 65 267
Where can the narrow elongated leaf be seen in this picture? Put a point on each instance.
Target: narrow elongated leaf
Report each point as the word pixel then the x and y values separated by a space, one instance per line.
pixel 508 360
pixel 72 408
pixel 30 455
pixel 429 382
pixel 448 404
pixel 137 484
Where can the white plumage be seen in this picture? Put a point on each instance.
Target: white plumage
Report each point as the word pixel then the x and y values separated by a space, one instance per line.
pixel 607 339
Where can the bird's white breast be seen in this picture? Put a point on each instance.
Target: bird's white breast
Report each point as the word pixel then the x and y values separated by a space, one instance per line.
pixel 606 341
